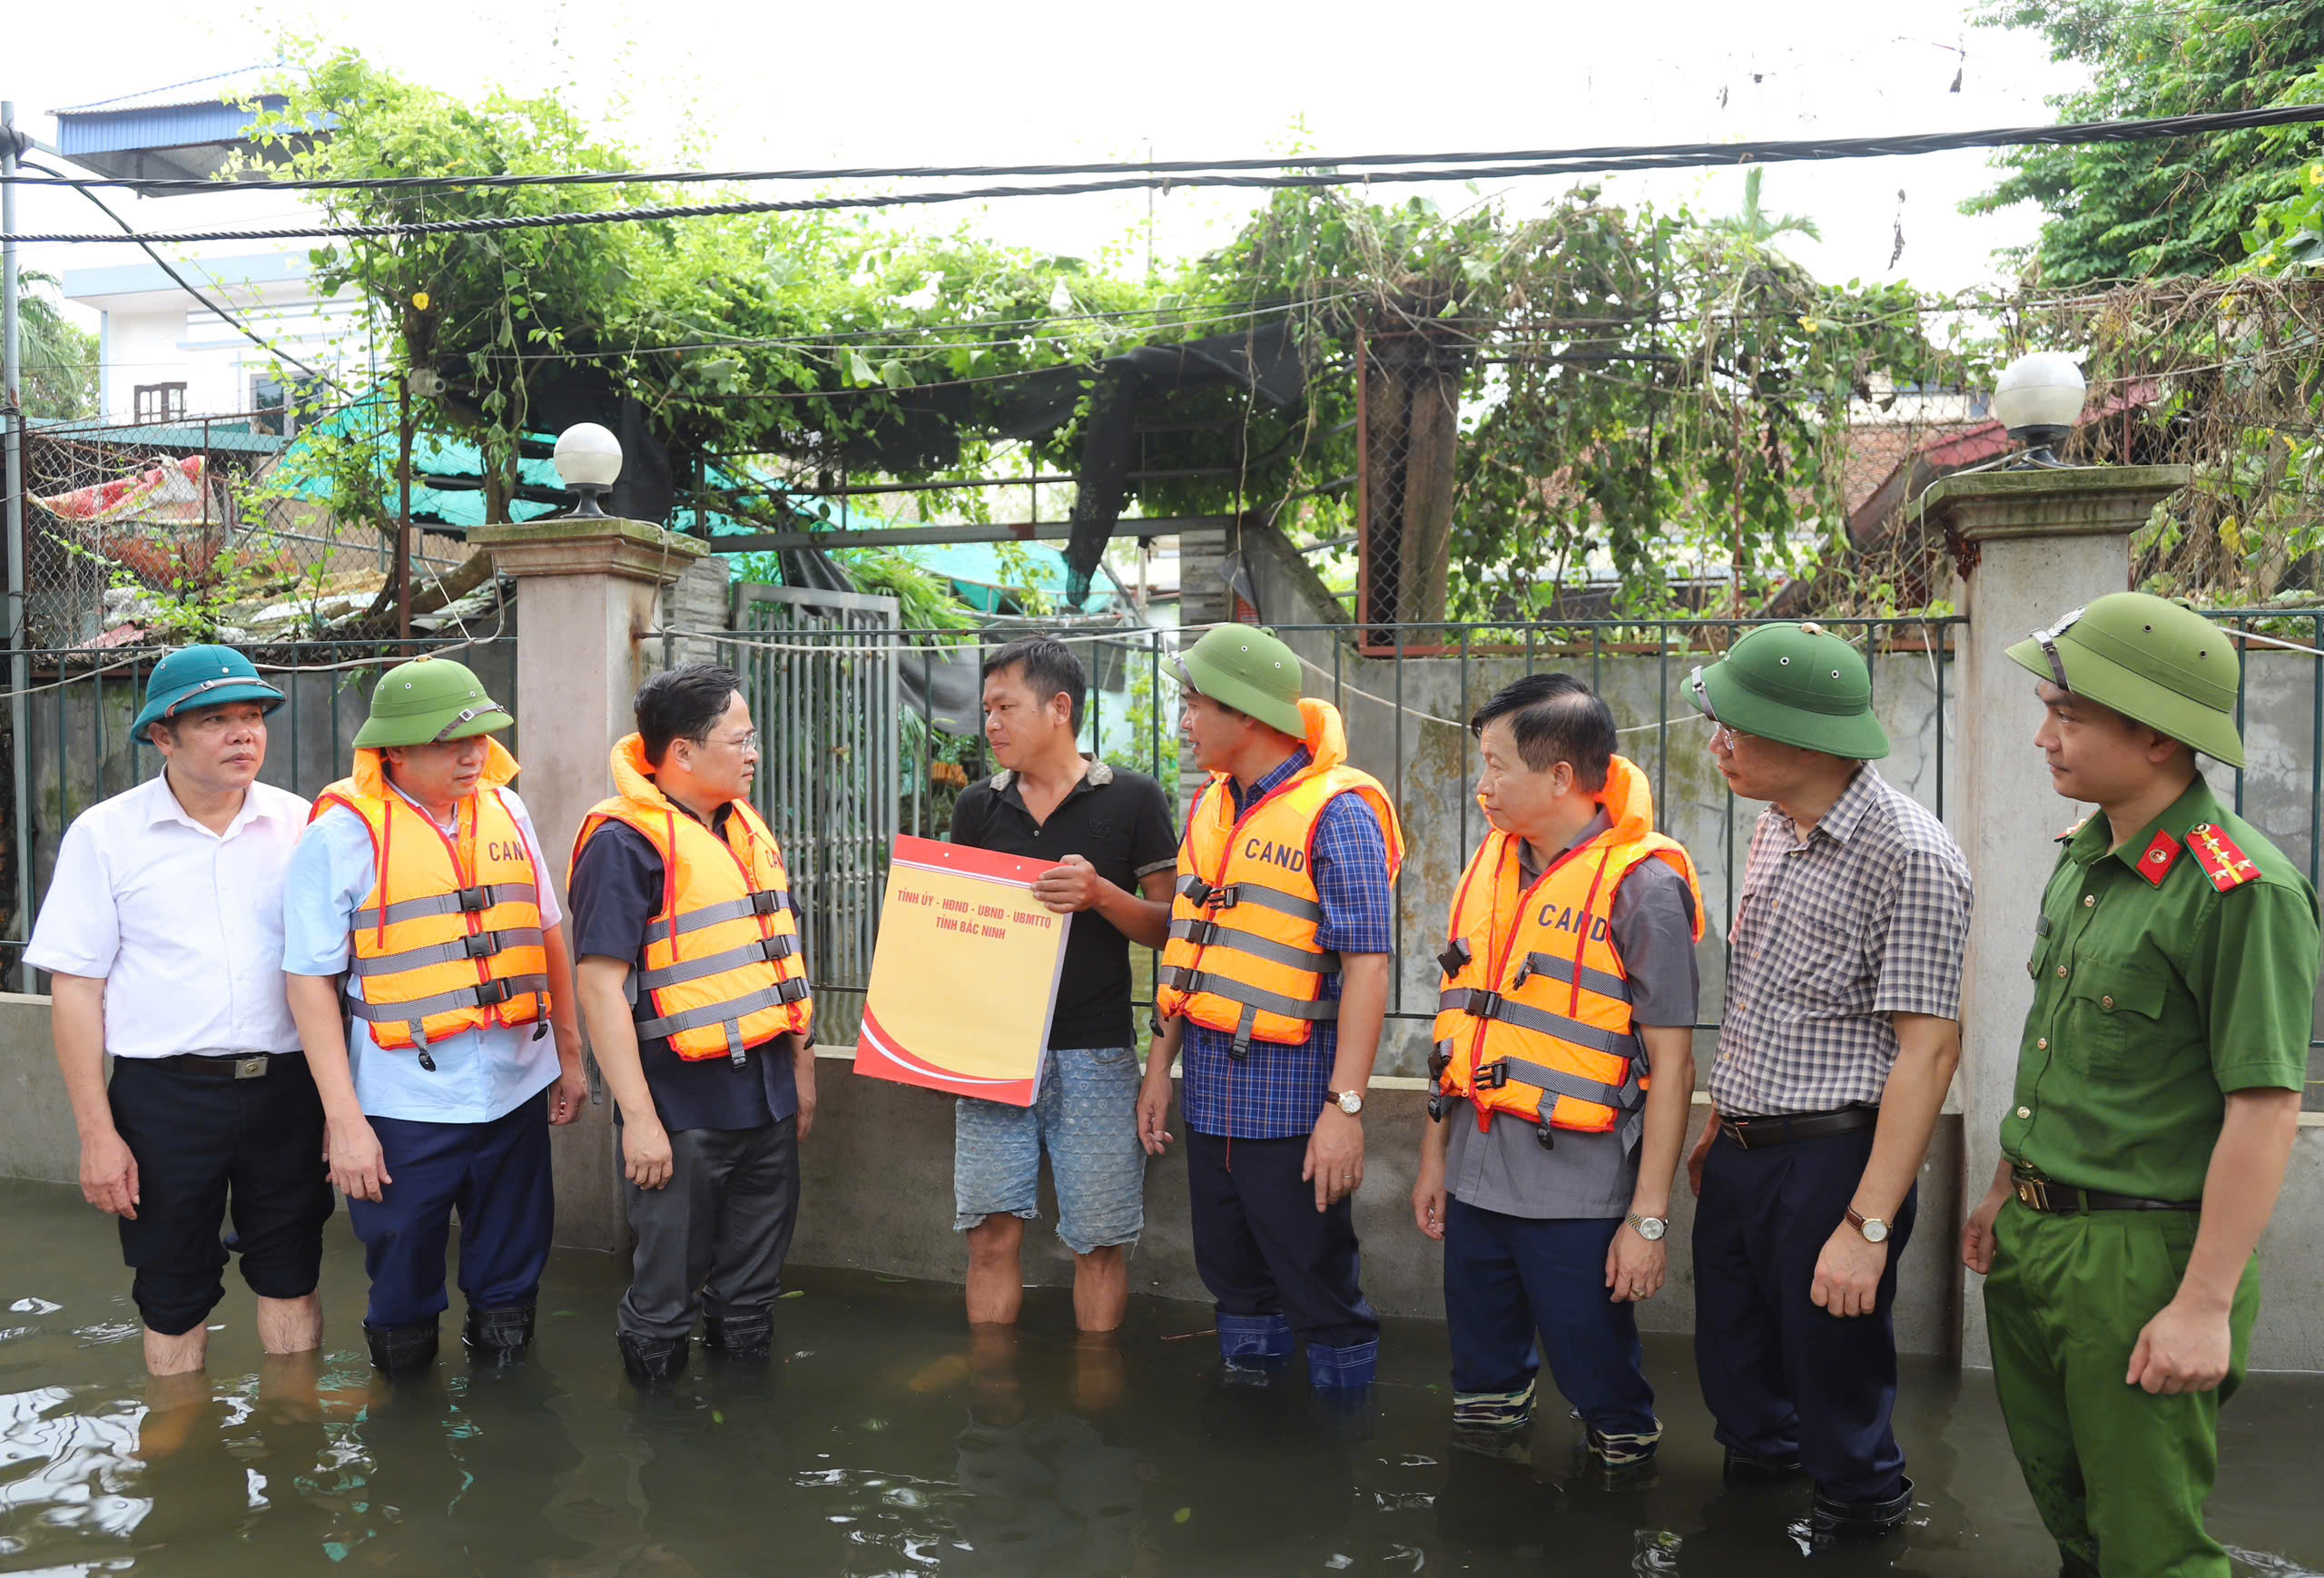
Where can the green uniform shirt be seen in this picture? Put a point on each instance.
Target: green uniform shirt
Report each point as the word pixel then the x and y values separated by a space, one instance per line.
pixel 2154 998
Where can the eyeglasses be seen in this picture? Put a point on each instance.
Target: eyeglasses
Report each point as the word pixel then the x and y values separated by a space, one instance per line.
pixel 1722 735
pixel 2049 643
pixel 746 744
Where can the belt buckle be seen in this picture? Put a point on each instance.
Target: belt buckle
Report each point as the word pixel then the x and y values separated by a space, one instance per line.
pixel 1740 1133
pixel 252 1068
pixel 2034 1193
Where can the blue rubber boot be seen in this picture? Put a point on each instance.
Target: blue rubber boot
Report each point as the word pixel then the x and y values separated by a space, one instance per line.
pixel 1254 1347
pixel 1348 1369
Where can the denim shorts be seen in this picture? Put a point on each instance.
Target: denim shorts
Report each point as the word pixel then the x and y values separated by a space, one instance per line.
pixel 1085 1116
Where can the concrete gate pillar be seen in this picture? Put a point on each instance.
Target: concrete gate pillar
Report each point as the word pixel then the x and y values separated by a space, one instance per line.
pixel 585 600
pixel 2035 544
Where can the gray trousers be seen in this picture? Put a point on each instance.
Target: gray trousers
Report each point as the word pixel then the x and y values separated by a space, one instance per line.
pixel 714 1236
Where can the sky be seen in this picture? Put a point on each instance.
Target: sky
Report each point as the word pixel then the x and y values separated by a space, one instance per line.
pixel 1004 81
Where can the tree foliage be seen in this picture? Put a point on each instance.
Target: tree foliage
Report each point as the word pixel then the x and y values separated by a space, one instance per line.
pixel 2178 206
pixel 60 356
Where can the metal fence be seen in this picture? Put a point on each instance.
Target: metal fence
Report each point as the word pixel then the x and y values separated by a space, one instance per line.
pixel 140 531
pixel 1406 712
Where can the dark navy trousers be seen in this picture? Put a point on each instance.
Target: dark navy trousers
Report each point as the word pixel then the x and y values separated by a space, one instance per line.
pixel 1263 1248
pixel 496 1175
pixel 1783 1378
pixel 1507 1278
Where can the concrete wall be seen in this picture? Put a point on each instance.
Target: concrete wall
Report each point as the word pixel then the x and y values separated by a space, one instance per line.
pixel 878 1191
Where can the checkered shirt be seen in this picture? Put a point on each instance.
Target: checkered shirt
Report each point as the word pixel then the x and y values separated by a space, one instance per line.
pixel 1864 918
pixel 1276 1092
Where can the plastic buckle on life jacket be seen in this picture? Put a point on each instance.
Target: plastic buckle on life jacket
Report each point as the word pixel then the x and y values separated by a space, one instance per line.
pixel 1524 973
pixel 473 899
pixel 1437 1064
pixel 491 993
pixel 1198 891
pixel 1456 956
pixel 483 945
pixel 1546 1135
pixel 1222 898
pixel 1437 1107
pixel 765 902
pixel 1483 1005
pixel 1493 1076
pixel 1201 934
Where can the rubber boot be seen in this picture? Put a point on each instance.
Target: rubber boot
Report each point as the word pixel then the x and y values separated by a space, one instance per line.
pixel 1495 1411
pixel 652 1361
pixel 1861 1520
pixel 747 1336
pixel 1743 1468
pixel 1256 1348
pixel 401 1349
pixel 495 1338
pixel 1343 1369
pixel 1620 1459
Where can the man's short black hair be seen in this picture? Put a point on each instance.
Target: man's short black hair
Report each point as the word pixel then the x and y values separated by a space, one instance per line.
pixel 1555 718
pixel 684 704
pixel 1048 667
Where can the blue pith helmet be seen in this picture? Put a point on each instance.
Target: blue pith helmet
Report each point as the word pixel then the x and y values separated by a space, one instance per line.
pixel 194 677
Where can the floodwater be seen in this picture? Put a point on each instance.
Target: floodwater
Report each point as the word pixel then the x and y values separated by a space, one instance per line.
pixel 883 1442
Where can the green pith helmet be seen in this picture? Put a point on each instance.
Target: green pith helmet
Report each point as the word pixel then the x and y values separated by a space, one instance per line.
pixel 1251 670
pixel 426 700
pixel 1797 684
pixel 2153 660
pixel 194 677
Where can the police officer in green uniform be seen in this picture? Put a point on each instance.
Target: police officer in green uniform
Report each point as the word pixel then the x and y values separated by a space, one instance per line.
pixel 2158 1091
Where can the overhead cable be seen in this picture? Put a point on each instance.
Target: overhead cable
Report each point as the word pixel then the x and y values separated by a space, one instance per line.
pixel 1138 177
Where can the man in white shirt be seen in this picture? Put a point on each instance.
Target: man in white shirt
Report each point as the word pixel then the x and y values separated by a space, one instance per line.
pixel 162 932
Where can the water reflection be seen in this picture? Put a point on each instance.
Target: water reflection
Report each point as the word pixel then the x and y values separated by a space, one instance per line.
pixel 883 1439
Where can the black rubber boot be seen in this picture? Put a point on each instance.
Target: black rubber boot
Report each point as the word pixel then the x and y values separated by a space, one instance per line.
pixel 401 1349
pixel 497 1336
pixel 652 1361
pixel 1742 1468
pixel 1861 1520
pixel 748 1335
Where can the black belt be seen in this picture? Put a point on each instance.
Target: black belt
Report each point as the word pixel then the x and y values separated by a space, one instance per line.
pixel 1782 1127
pixel 228 1066
pixel 2057 1199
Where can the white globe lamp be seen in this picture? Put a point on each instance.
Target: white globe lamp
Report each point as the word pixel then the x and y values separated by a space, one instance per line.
pixel 588 460
pixel 2038 399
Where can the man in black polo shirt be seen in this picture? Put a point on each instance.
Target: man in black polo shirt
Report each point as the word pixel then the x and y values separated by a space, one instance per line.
pixel 1110 834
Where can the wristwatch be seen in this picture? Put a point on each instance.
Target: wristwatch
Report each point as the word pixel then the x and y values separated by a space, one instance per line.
pixel 1874 1229
pixel 1650 1228
pixel 1348 1101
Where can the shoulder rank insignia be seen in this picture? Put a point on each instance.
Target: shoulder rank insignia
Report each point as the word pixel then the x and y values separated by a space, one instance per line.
pixel 2070 831
pixel 2227 866
pixel 2159 857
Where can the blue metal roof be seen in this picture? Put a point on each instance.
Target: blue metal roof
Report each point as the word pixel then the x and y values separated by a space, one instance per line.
pixel 186 130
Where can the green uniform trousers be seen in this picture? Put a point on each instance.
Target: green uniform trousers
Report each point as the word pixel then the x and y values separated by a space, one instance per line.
pixel 2120 1476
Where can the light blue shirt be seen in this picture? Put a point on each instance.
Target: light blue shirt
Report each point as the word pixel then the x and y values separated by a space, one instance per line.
pixel 479 1075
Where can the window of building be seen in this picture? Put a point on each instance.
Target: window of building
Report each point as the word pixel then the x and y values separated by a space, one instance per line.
pixel 159 402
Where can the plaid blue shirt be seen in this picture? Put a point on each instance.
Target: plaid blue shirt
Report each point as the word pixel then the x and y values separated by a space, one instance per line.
pixel 1278 1091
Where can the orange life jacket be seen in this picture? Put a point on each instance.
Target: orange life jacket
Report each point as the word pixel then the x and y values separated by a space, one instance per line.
pixel 1535 1016
pixel 723 972
pixel 449 938
pixel 1242 956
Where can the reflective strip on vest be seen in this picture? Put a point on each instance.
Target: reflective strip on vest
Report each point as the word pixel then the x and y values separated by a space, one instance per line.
pixel 780 946
pixel 484 994
pixel 449 953
pixel 780 995
pixel 761 901
pixel 1249 893
pixel 1597 981
pixel 1204 934
pixel 452 903
pixel 1196 981
pixel 1492 1005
